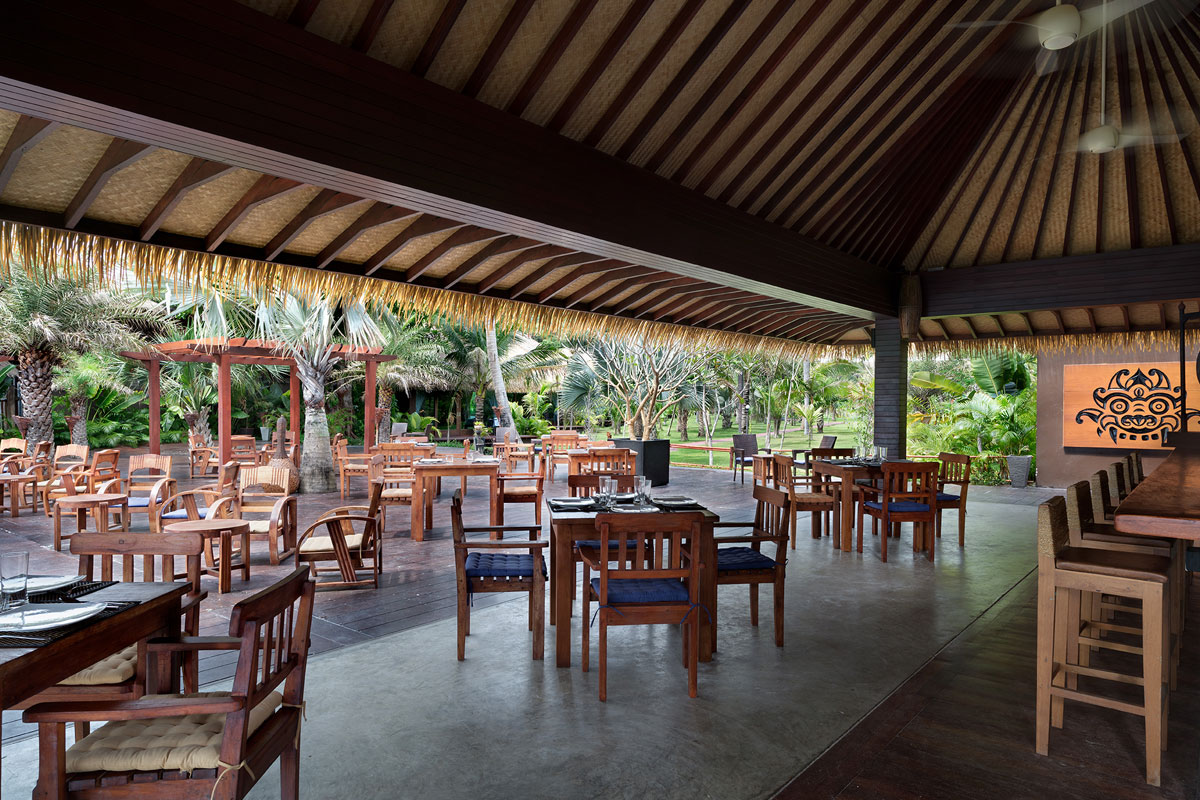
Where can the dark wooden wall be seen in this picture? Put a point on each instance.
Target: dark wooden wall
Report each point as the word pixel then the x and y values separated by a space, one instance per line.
pixel 891 387
pixel 1059 466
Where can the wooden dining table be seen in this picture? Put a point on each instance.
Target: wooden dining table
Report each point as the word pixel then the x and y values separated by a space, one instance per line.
pixel 423 490
pixel 569 527
pixel 25 671
pixel 847 473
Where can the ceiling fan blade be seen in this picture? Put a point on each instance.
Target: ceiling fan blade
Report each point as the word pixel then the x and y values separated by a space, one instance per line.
pixel 1047 61
pixel 1133 139
pixel 1092 19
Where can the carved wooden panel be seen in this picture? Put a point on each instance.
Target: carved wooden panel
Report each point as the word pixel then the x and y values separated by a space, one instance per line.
pixel 1125 406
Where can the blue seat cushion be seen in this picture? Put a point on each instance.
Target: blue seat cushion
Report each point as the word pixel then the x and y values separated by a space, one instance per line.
pixel 742 558
pixel 502 565
pixel 644 590
pixel 899 506
pixel 946 497
pixel 181 513
pixel 139 502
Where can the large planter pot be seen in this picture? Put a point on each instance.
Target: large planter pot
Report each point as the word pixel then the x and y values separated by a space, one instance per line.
pixel 264 432
pixel 653 458
pixel 1018 470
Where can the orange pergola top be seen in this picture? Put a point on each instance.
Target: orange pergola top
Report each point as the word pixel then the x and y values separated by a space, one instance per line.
pixel 225 351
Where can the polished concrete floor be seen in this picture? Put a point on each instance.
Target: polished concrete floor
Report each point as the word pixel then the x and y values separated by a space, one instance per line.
pixel 400 717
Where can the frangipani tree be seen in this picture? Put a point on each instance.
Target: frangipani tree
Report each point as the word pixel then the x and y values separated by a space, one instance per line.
pixel 308 329
pixel 48 321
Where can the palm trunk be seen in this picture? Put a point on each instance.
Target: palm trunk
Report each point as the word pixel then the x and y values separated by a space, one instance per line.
pixel 79 410
pixel 506 419
pixel 683 424
pixel 383 400
pixel 316 458
pixel 35 375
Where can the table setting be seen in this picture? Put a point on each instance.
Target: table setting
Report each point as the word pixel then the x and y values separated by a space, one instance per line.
pixel 38 609
pixel 639 501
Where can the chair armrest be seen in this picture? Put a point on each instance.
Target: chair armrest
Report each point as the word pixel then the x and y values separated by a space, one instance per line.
pixel 192 601
pixel 591 557
pixel 192 644
pixel 507 544
pixel 147 707
pixel 504 528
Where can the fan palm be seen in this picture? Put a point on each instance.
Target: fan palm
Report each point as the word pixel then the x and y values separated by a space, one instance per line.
pixel 81 378
pixel 44 323
pixel 517 357
pixel 190 392
pixel 308 329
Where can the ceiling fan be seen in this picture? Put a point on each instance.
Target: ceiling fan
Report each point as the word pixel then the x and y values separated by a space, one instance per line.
pixel 1060 26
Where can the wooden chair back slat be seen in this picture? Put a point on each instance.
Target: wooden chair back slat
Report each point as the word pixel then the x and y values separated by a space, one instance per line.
pixel 69 454
pixel 820 453
pixel 586 485
pixel 914 482
pixel 9 447
pixel 610 461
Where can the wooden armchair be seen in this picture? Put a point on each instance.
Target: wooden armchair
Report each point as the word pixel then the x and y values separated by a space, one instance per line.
pixel 510 452
pixel 193 504
pixel 519 487
pixel 748 564
pixel 28 492
pixel 351 538
pixel 149 485
pixel 397 480
pixel 586 485
pixel 745 446
pixel 105 467
pixel 908 495
pixel 211 745
pixel 480 567
pixel 802 495
pixel 648 574
pixel 263 491
pixel 956 471
pixel 349 466
pixel 69 460
pixel 122 675
pixel 805 464
pixel 243 450
pixel 610 461
pixel 554 452
pixel 13 447
pixel 201 457
pixel 290 445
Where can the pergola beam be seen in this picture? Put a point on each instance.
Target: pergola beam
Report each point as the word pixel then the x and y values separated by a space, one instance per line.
pixel 293 105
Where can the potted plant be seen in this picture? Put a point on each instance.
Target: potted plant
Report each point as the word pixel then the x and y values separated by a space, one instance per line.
pixel 264 425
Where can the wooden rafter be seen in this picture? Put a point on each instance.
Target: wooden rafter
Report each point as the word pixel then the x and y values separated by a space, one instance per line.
pixel 561 262
pixel 25 135
pixel 516 262
pixel 496 47
pixel 378 214
pixel 594 268
pixel 265 188
pixel 679 315
pixel 682 296
pixel 371 24
pixel 622 274
pixel 668 282
pixel 437 37
pixel 326 202
pixel 425 225
pixel 497 247
pixel 119 154
pixel 468 234
pixel 196 173
pixel 551 55
pixel 302 12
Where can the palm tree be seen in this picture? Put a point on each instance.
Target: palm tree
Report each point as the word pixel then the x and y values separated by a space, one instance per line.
pixel 190 392
pixel 307 330
pixel 81 378
pixel 44 323
pixel 518 357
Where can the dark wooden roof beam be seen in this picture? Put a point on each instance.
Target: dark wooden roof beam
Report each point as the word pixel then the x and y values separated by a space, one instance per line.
pixel 496 47
pixel 264 189
pixel 119 154
pixel 437 37
pixel 680 309
pixel 326 202
pixel 667 282
pixel 24 137
pixel 623 273
pixel 196 173
pixel 460 238
pixel 378 214
pixel 370 25
pixel 570 260
pixel 516 262
pixel 425 225
pixel 497 247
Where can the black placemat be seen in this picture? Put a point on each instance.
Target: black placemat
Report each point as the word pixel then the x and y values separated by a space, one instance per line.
pixel 42 638
pixel 72 592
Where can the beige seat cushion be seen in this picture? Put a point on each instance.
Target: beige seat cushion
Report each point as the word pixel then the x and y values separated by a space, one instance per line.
pixel 398 492
pixel 173 743
pixel 806 498
pixel 510 491
pixel 259 525
pixel 117 668
pixel 323 544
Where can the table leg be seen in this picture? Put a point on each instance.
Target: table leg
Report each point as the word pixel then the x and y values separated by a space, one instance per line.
pixel 494 494
pixel 564 566
pixel 708 594
pixel 101 514
pixel 225 569
pixel 429 492
pixel 416 528
pixel 847 512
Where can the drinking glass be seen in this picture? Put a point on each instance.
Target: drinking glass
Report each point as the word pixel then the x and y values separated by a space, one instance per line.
pixel 14 576
pixel 642 488
pixel 883 451
pixel 603 490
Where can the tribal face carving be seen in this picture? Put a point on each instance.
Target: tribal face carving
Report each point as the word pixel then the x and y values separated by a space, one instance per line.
pixel 1135 407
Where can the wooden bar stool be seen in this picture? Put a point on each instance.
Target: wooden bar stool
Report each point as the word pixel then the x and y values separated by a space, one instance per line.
pixel 100 507
pixel 1064 573
pixel 1103 507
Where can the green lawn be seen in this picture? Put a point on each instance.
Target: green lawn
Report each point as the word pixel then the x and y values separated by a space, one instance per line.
pixel 723 437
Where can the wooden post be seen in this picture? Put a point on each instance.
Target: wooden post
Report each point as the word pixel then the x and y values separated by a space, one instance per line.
pixel 891 387
pixel 296 394
pixel 369 423
pixel 154 399
pixel 224 401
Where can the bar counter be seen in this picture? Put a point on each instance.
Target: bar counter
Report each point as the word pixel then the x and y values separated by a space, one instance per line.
pixel 1167 503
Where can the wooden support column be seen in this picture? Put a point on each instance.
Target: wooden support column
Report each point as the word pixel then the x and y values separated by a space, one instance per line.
pixel 296 395
pixel 224 401
pixel 154 400
pixel 370 425
pixel 891 387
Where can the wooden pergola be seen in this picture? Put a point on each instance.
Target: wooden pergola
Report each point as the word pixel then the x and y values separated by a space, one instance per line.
pixel 227 351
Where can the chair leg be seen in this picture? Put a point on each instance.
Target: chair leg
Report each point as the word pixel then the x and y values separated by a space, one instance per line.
pixel 693 656
pixel 587 607
pixel 537 512
pixel 464 623
pixel 538 600
pixel 887 529
pixel 754 604
pixel 82 729
pixel 962 524
pixel 603 654
pixel 1152 684
pixel 779 582
pixel 1045 661
pixel 1059 645
pixel 289 770
pixel 52 771
pixel 937 524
